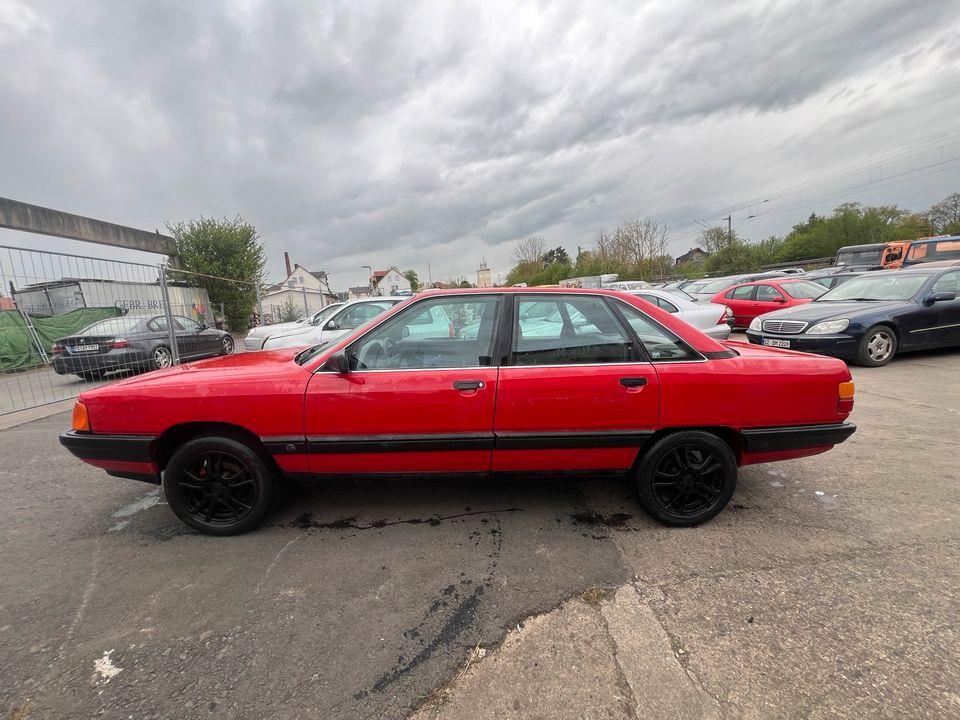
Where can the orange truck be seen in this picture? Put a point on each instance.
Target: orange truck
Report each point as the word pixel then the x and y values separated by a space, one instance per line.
pixel 885 255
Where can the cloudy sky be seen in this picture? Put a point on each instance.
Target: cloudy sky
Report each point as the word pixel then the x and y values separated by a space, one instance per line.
pixel 402 133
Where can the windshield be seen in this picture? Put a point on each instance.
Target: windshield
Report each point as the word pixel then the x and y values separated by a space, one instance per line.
pixel 931 251
pixel 882 285
pixel 716 286
pixel 802 290
pixel 859 257
pixel 113 326
pixel 679 293
pixel 693 287
pixel 325 313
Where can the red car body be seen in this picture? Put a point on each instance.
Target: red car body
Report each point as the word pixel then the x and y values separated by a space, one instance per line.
pixel 748 300
pixel 325 419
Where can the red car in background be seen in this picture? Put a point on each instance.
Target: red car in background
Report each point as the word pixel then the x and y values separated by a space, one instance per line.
pixel 749 300
pixel 604 383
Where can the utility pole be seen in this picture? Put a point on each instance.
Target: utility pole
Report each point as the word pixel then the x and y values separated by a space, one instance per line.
pixel 429 274
pixel 729 230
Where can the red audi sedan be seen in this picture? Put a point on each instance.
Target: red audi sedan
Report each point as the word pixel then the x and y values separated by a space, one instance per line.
pixel 749 300
pixel 544 380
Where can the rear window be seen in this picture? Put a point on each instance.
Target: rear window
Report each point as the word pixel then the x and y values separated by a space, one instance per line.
pixel 931 251
pixel 113 326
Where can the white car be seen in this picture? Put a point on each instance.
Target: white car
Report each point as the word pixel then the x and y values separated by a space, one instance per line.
pixel 627 285
pixel 709 318
pixel 349 316
pixel 258 335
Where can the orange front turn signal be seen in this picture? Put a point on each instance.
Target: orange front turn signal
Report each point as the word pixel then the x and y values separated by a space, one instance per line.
pixel 846 391
pixel 81 420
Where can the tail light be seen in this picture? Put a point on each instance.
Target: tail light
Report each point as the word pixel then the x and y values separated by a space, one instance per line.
pixel 845 393
pixel 726 315
pixel 117 343
pixel 57 349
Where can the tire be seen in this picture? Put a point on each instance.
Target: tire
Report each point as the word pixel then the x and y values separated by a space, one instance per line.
pixel 161 358
pixel 877 346
pixel 227 345
pixel 219 484
pixel 686 478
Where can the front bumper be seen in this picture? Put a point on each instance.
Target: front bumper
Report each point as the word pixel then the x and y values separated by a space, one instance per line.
pixel 126 456
pixel 839 346
pixel 251 344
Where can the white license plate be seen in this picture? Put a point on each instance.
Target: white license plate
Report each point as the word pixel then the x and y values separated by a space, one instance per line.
pixel 771 342
pixel 86 348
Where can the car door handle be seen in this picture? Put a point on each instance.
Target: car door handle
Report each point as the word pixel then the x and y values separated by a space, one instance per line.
pixel 633 381
pixel 469 385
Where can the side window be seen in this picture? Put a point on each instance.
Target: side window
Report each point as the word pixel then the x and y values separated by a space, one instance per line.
pixel 741 293
pixel 667 305
pixel 661 344
pixel 767 293
pixel 157 324
pixel 568 330
pixel 436 333
pixel 186 324
pixel 948 283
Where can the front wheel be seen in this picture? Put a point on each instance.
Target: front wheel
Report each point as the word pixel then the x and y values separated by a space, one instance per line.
pixel 686 478
pixel 219 485
pixel 877 347
pixel 161 358
pixel 226 346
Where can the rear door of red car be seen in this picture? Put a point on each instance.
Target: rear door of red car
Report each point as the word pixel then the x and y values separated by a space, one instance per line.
pixel 577 392
pixel 410 403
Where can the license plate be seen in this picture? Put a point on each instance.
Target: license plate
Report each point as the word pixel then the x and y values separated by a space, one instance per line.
pixel 772 342
pixel 86 348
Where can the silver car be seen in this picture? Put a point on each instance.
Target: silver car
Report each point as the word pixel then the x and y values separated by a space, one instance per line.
pixel 258 335
pixel 709 318
pixel 349 316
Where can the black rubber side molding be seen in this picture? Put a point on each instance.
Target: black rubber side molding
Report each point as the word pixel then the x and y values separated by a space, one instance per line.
pixel 795 437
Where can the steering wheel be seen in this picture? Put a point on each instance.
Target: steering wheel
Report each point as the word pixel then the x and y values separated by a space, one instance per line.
pixel 372 356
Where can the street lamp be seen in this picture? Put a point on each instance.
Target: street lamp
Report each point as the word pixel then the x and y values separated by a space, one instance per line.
pixel 369 277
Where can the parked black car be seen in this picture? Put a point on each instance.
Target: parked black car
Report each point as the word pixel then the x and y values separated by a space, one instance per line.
pixel 135 342
pixel 870 318
pixel 831 281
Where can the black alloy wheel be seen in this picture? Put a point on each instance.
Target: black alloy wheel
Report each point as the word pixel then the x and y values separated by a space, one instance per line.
pixel 219 485
pixel 686 478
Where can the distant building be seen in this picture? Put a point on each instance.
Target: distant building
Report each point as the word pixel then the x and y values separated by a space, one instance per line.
pixel 389 282
pixel 6 303
pixel 693 255
pixel 483 275
pixel 308 290
pixel 439 285
pixel 361 291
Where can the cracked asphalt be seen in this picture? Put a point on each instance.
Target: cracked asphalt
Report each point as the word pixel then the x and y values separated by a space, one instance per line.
pixel 829 588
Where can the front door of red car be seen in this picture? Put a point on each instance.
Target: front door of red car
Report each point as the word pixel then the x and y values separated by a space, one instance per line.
pixel 767 299
pixel 576 394
pixel 411 403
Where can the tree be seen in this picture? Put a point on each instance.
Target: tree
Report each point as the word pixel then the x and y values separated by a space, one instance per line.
pixel 557 255
pixel 529 250
pixel 945 215
pixel 411 276
pixel 714 239
pixel 231 253
pixel 289 311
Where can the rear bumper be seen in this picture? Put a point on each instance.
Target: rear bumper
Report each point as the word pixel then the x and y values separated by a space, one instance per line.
pixel 718 332
pixel 799 437
pixel 64 364
pixel 127 456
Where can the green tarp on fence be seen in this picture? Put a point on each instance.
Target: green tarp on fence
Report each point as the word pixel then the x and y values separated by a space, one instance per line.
pixel 18 350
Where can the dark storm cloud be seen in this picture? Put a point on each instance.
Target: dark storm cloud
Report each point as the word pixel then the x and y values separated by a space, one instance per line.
pixel 402 132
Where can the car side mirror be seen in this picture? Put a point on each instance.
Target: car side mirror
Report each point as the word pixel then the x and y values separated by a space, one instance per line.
pixel 940 297
pixel 779 299
pixel 331 325
pixel 337 363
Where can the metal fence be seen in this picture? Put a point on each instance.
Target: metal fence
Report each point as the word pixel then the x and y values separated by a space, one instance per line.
pixel 69 321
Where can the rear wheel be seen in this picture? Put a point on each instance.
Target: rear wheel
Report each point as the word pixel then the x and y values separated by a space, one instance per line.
pixel 686 478
pixel 877 347
pixel 219 484
pixel 161 358
pixel 226 347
